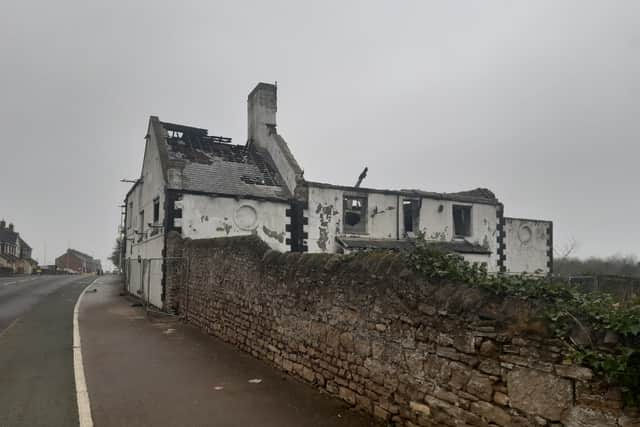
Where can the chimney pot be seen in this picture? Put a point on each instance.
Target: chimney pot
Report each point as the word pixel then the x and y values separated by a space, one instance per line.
pixel 10 226
pixel 3 224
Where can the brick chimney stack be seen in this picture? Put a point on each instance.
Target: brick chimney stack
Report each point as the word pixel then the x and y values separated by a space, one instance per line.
pixel 10 226
pixel 3 224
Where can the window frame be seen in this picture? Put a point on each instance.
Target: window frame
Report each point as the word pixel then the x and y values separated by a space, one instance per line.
pixel 156 210
pixel 141 229
pixel 362 225
pixel 457 235
pixel 415 205
pixel 130 215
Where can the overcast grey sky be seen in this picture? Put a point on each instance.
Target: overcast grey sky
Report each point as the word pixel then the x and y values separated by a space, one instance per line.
pixel 538 101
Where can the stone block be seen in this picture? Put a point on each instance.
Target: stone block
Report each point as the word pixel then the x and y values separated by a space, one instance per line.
pixel 480 386
pixel 501 398
pixel 539 393
pixel 347 395
pixel 575 372
pixel 420 408
pixel 491 413
pixel 582 416
pixel 346 342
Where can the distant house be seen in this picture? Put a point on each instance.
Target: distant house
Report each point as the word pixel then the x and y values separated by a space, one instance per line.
pixel 203 186
pixel 15 253
pixel 74 261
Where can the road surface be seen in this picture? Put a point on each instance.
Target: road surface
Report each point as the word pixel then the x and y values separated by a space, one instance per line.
pixel 141 370
pixel 36 356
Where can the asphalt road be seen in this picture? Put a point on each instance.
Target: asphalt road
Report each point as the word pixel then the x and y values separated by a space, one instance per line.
pixel 36 356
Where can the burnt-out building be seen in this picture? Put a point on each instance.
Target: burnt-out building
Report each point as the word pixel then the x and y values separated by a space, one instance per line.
pixel 15 253
pixel 74 261
pixel 204 186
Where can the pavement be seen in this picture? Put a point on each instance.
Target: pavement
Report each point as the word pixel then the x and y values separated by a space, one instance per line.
pixel 156 371
pixel 36 359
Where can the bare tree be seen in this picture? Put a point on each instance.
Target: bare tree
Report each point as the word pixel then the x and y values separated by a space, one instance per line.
pixel 566 249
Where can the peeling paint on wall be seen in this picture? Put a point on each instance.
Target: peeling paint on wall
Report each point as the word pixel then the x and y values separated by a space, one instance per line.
pixel 226 227
pixel 325 213
pixel 436 235
pixel 378 212
pixel 273 234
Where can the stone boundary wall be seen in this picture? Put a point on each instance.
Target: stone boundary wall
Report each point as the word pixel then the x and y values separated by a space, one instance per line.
pixel 368 331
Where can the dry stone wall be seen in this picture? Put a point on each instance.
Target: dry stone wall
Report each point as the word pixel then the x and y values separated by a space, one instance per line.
pixel 368 331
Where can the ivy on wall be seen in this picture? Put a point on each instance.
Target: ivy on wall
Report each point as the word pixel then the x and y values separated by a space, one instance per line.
pixel 585 322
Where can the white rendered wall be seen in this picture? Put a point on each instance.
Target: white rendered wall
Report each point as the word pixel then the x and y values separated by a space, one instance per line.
pixel 527 244
pixel 205 217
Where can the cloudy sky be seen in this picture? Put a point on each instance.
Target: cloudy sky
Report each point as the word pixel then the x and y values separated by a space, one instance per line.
pixel 537 100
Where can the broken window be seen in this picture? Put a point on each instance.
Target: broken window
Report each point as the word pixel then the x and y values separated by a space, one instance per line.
pixel 355 214
pixel 156 210
pixel 411 215
pixel 461 221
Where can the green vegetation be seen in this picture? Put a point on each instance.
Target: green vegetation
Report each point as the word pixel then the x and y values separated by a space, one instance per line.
pixel 616 265
pixel 567 309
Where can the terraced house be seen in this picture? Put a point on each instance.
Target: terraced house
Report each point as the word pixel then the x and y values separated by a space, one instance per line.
pixel 15 253
pixel 203 186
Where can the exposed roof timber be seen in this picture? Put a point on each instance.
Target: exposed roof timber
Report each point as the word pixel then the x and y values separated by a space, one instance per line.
pixel 186 129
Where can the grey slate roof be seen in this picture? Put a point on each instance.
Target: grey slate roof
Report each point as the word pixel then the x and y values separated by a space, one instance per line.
pixel 202 163
pixel 458 246
pixel 363 243
pixel 8 236
pixel 461 247
pixel 24 244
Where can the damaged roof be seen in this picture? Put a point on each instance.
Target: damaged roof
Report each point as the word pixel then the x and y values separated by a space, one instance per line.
pixel 477 195
pixel 199 162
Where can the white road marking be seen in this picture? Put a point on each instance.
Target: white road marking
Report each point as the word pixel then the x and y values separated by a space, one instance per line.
pixel 82 394
pixel 11 325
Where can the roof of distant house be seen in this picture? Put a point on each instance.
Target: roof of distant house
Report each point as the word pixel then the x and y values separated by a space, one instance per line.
pixel 82 255
pixel 197 162
pixel 24 244
pixel 8 236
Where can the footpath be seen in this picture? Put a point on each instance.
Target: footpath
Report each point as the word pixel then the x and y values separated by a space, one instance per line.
pixel 153 370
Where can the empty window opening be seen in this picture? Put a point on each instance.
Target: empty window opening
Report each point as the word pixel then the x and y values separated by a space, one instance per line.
pixel 355 214
pixel 461 221
pixel 156 210
pixel 141 231
pixel 130 215
pixel 411 215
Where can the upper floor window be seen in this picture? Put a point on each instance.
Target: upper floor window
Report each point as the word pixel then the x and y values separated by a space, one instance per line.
pixel 156 210
pixel 461 221
pixel 355 214
pixel 411 215
pixel 130 215
pixel 141 231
